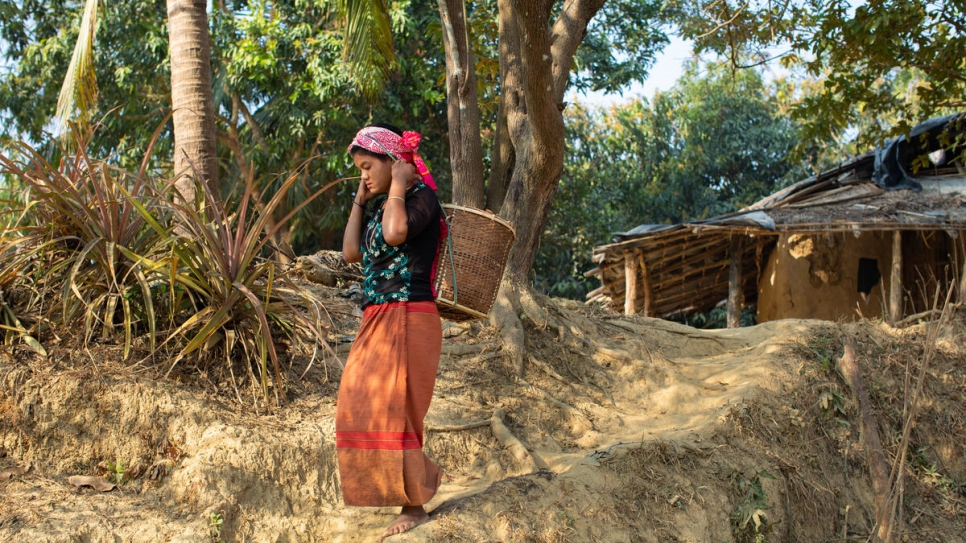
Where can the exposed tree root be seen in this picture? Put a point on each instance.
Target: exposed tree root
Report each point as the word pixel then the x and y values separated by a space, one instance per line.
pixel 505 318
pixel 878 466
pixel 530 461
pixel 510 441
pixel 549 371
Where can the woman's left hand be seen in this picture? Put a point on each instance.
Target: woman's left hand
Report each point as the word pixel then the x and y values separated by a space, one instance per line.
pixel 402 173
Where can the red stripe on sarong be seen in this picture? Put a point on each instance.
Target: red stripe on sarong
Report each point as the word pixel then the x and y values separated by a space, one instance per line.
pixel 378 445
pixel 388 441
pixel 386 436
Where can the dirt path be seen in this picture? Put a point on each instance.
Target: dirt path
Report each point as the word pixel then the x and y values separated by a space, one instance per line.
pixel 635 430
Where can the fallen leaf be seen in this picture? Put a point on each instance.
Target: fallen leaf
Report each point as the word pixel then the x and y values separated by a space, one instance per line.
pixel 100 484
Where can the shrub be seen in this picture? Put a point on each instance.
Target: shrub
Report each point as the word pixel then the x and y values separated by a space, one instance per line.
pixel 234 293
pixel 77 240
pixel 98 248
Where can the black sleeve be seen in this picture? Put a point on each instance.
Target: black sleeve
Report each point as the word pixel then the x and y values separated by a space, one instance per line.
pixel 422 210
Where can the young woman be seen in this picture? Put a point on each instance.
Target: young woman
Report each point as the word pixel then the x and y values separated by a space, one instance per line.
pixel 395 229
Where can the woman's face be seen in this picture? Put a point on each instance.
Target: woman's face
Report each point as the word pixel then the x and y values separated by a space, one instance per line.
pixel 376 172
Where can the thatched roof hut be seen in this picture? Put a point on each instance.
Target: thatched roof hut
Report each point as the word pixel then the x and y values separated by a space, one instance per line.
pixel 866 238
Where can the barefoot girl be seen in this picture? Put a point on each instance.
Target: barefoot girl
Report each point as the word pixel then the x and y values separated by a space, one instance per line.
pixel 395 229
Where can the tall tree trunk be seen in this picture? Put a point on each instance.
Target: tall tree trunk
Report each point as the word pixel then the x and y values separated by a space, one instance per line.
pixel 535 62
pixel 463 112
pixel 503 159
pixel 537 71
pixel 191 97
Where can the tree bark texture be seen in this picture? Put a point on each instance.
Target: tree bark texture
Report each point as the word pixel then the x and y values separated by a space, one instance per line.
pixel 462 107
pixel 536 68
pixel 191 97
pixel 645 284
pixel 503 155
pixel 630 281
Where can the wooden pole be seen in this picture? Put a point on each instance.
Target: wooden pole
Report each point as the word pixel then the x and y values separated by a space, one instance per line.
pixel 630 282
pixel 895 285
pixel 647 287
pixel 735 292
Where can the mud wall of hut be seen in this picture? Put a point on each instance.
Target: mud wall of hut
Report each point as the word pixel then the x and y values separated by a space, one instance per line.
pixel 848 276
pixel 833 276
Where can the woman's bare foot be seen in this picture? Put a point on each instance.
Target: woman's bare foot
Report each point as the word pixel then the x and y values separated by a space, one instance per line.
pixel 410 517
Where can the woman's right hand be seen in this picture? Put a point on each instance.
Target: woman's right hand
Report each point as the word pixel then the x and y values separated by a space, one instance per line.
pixel 362 194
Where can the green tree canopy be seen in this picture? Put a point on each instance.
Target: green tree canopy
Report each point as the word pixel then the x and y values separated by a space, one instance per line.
pixel 282 91
pixel 132 67
pixel 883 65
pixel 715 142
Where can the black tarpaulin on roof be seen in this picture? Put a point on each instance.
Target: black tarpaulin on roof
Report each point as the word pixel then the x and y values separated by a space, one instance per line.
pixel 893 161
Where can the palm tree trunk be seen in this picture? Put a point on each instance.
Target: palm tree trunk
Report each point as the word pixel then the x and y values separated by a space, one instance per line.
pixel 191 97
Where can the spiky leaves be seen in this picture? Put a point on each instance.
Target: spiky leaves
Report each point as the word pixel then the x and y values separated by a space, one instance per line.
pixel 70 244
pixel 227 291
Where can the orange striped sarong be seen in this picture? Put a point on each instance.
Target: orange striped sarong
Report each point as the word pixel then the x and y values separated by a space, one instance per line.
pixel 383 397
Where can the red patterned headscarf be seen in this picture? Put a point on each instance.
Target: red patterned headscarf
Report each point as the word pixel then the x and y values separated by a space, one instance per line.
pixel 383 141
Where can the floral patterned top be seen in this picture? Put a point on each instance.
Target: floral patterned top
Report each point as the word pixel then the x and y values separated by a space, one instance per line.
pixel 404 272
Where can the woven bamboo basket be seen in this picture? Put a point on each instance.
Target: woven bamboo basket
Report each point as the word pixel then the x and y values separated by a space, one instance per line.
pixel 474 255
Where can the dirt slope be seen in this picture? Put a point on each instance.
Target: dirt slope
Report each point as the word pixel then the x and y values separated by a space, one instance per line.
pixel 626 429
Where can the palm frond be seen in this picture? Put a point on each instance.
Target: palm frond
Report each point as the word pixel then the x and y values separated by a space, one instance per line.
pixel 367 43
pixel 79 91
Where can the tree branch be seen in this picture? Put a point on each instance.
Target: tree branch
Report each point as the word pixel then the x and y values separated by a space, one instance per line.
pixel 255 128
pixel 869 432
pixel 727 23
pixel 567 33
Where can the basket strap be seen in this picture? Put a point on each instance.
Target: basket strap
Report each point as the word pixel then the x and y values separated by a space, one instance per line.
pixel 452 260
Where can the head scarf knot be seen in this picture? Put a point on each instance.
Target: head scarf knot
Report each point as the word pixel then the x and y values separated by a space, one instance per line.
pixel 383 141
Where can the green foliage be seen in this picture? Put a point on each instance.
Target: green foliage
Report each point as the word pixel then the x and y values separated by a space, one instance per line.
pixel 824 346
pixel 215 523
pixel 714 143
pixel 229 292
pixel 882 66
pixel 929 472
pixel 130 61
pixel 621 44
pixel 116 471
pixel 830 400
pixel 282 91
pixel 78 95
pixel 367 46
pixel 99 247
pixel 749 521
pixel 284 96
